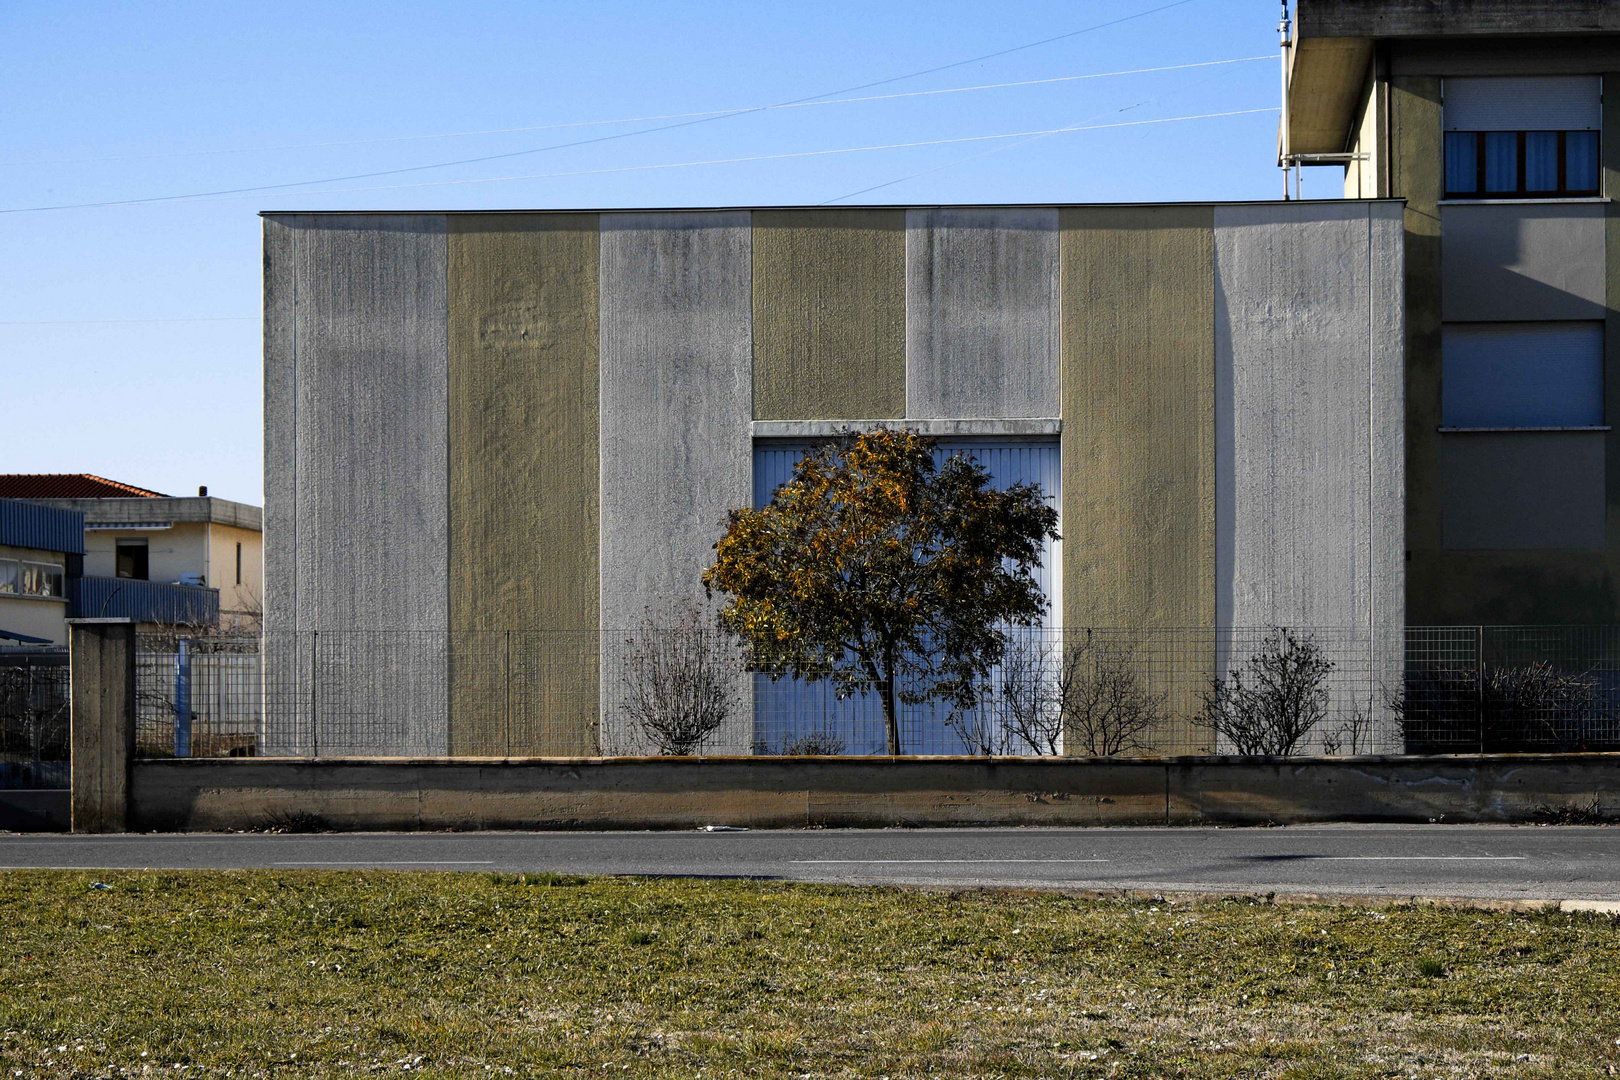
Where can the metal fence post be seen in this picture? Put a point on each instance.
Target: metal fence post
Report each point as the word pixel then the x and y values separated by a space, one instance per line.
pixel 508 673
pixel 314 692
pixel 182 698
pixel 1479 684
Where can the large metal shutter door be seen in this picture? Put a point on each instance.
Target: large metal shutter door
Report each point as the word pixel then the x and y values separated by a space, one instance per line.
pixel 1561 103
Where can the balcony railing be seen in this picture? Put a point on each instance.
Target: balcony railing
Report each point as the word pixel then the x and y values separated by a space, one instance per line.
pixel 142 601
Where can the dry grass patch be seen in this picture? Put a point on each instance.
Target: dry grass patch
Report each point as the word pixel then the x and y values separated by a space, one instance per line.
pixel 309 973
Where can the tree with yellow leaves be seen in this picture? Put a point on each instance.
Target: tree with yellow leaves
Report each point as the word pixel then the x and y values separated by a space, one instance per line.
pixel 878 569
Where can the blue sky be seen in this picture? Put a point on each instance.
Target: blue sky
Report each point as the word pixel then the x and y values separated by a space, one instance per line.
pixel 118 102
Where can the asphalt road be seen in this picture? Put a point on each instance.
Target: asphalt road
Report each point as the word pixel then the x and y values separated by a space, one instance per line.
pixel 1483 862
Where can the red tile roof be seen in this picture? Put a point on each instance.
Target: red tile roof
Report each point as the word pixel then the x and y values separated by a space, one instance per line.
pixel 68 486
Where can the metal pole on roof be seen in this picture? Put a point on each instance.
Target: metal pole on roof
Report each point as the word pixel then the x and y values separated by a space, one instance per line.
pixel 1285 33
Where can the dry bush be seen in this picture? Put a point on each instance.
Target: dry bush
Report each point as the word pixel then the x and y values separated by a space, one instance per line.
pixel 1105 708
pixel 1271 703
pixel 679 682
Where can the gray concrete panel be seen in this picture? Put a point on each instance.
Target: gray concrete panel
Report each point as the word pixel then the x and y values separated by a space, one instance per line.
pixel 1387 258
pixel 676 404
pixel 1524 490
pixel 982 313
pixel 1501 263
pixel 1309 484
pixel 280 416
pixel 367 508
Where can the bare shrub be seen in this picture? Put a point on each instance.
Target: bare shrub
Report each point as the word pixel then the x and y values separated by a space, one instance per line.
pixel 1031 714
pixel 813 744
pixel 1104 707
pixel 1353 735
pixel 1446 708
pixel 1270 703
pixel 679 682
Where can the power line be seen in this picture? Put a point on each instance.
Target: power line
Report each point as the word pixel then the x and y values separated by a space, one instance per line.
pixel 779 157
pixel 634 119
pixel 1022 142
pixel 598 139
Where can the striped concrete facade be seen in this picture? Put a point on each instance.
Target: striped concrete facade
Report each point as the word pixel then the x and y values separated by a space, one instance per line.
pixel 497 424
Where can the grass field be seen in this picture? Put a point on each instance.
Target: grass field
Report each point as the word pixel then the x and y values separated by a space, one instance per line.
pixel 306 973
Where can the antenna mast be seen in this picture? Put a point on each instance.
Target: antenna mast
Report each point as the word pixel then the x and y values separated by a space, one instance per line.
pixel 1284 157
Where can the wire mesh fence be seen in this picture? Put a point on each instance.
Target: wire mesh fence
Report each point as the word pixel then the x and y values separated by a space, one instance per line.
pixel 1078 692
pixel 34 721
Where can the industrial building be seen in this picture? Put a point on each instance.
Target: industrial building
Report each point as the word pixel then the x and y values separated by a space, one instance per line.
pixel 538 421
pixel 1355 414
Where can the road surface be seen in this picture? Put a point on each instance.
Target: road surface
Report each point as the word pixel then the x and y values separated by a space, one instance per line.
pixel 1482 862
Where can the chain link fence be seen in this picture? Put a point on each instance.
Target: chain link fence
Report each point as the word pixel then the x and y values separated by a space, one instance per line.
pixel 1086 692
pixel 34 723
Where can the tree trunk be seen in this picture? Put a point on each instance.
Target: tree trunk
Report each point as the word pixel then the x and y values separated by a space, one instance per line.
pixel 891 719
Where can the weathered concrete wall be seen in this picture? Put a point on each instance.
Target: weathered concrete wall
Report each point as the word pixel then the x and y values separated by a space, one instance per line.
pixel 1421 18
pixel 1309 486
pixel 829 314
pixel 523 472
pixel 1536 262
pixel 46 810
pixel 982 312
pixel 1524 490
pixel 355 446
pixel 677 401
pixel 636 793
pixel 101 706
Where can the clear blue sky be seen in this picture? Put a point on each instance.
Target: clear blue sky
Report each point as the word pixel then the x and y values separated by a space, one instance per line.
pixel 114 102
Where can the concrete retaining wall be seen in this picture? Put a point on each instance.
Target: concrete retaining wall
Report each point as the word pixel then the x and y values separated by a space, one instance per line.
pixel 643 793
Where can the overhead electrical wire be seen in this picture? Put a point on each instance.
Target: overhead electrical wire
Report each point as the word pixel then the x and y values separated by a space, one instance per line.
pixel 773 157
pixel 638 119
pixel 599 139
pixel 1157 98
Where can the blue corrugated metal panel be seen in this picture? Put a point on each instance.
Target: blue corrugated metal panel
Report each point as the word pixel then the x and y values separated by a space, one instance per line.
pixel 24 524
pixel 143 601
pixel 789 710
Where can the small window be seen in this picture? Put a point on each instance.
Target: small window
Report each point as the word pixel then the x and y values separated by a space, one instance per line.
pixel 131 560
pixel 239 564
pixel 40 579
pixel 9 577
pixel 1522 138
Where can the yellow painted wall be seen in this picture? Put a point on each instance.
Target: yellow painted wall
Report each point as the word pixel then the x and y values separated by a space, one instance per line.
pixel 239 604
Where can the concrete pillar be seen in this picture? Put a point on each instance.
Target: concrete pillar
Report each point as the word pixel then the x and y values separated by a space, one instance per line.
pixel 102 703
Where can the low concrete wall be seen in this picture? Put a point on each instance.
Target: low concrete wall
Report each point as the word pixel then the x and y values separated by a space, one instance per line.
pixel 664 793
pixel 35 810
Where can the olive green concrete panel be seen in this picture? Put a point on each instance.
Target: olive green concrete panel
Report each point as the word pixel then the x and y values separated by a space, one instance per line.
pixel 829 314
pixel 1518 490
pixel 523 480
pixel 1138 394
pixel 1138 416
pixel 1415 175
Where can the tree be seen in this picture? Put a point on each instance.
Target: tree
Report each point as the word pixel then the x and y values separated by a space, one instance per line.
pixel 877 568
pixel 1272 702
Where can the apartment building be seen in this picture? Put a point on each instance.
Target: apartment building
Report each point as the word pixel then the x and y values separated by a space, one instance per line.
pixel 1488 118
